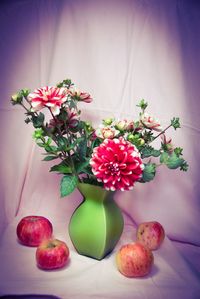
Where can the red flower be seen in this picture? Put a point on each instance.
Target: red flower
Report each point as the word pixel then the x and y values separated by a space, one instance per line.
pixel 51 97
pixel 117 163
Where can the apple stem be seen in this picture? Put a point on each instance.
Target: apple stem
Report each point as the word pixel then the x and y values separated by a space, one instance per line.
pixel 51 245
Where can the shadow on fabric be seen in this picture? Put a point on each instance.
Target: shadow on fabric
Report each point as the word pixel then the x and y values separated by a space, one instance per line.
pixel 29 297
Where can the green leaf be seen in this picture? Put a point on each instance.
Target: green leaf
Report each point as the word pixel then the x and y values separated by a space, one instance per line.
pixel 53 148
pixel 38 133
pixel 142 104
pixel 65 83
pixel 82 149
pixel 178 151
pixel 38 120
pixel 82 166
pixel 49 140
pixel 62 115
pixel 174 161
pixel 92 180
pixel 184 166
pixel 49 158
pixel 47 148
pixel 25 92
pixel 175 122
pixel 77 141
pixel 62 143
pixel 96 143
pixel 68 184
pixel 81 125
pixel 156 153
pixel 164 157
pixel 148 136
pixel 149 151
pixel 27 120
pixel 40 144
pixel 149 172
pixel 62 168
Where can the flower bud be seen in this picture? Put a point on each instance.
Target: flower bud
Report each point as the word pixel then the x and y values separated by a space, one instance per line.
pixel 131 137
pixel 89 127
pixel 121 125
pixel 38 133
pixel 108 121
pixel 108 133
pixel 141 141
pixel 169 147
pixel 25 92
pixel 16 98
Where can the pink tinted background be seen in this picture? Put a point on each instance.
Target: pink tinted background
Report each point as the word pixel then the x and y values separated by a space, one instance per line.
pixel 120 52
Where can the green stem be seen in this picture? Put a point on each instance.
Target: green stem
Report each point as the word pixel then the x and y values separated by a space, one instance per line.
pixel 53 115
pixel 25 107
pixel 163 131
pixel 27 101
pixel 64 153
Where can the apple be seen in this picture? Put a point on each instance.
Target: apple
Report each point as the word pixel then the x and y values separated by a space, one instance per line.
pixel 32 230
pixel 150 234
pixel 52 254
pixel 134 260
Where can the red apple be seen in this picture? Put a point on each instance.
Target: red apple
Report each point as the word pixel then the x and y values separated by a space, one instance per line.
pixel 150 234
pixel 52 254
pixel 32 230
pixel 134 260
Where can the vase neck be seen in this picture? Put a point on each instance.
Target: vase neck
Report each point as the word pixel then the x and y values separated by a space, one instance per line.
pixel 94 192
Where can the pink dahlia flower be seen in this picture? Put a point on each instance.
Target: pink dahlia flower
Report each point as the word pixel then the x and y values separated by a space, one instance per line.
pixel 51 97
pixel 117 163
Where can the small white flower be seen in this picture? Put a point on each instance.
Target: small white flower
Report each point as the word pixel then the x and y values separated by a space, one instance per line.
pixel 150 122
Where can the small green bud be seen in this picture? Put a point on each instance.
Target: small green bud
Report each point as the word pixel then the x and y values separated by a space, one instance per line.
pixel 88 126
pixel 121 125
pixel 16 99
pixel 131 137
pixel 142 104
pixel 25 92
pixel 38 133
pixel 108 121
pixel 141 141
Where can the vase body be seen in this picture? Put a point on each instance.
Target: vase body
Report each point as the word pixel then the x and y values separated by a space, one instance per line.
pixel 97 223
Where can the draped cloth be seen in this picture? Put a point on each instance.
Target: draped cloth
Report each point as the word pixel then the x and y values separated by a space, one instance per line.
pixel 119 52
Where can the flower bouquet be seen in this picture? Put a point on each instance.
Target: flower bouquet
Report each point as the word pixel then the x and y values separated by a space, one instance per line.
pixel 112 157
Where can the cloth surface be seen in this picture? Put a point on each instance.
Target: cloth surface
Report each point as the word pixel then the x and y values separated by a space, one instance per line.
pixel 119 52
pixel 172 276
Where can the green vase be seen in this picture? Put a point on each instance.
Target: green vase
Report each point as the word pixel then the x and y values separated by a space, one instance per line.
pixel 97 223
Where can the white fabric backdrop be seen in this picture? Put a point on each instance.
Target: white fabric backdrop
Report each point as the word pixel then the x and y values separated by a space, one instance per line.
pixel 120 52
